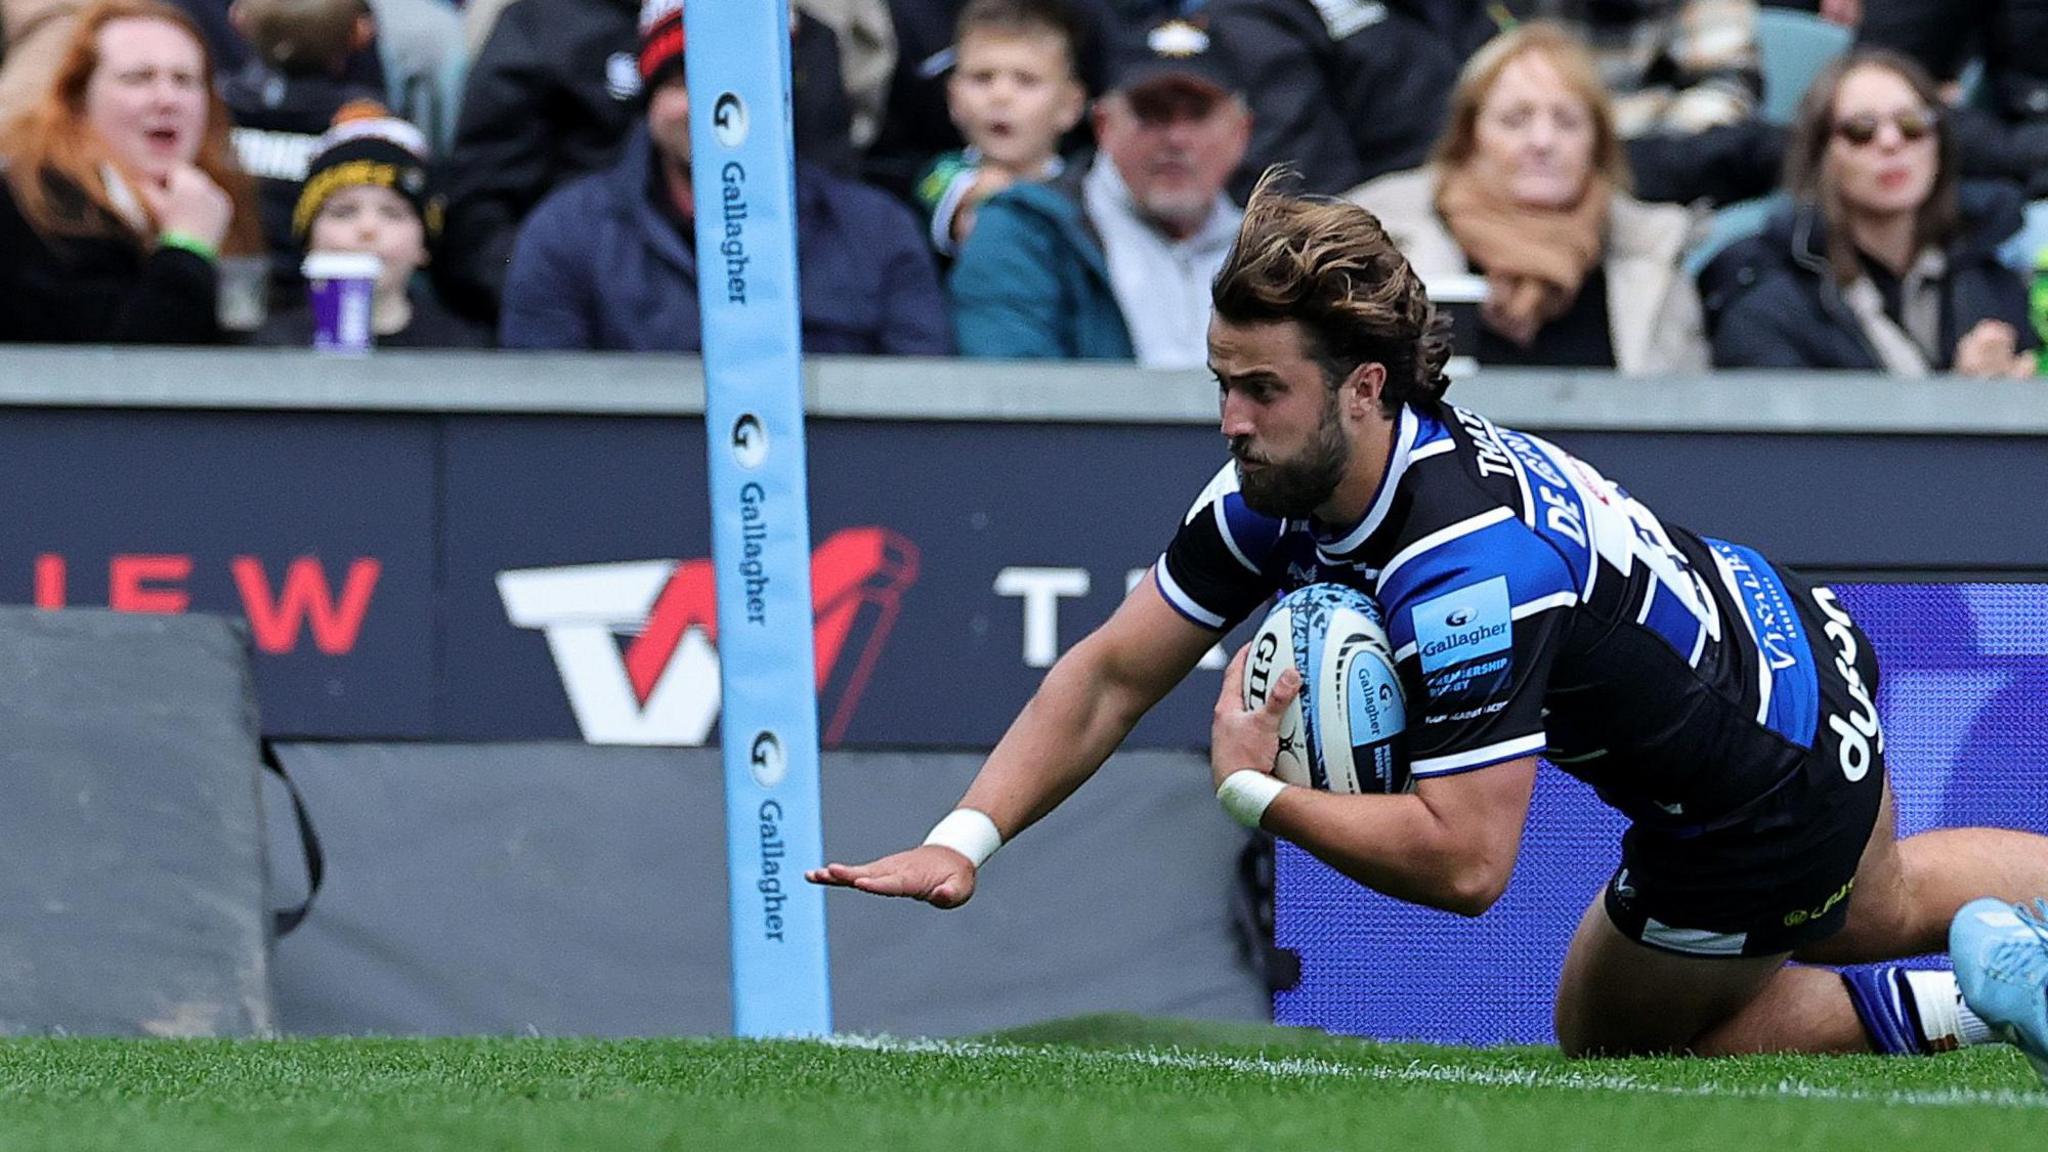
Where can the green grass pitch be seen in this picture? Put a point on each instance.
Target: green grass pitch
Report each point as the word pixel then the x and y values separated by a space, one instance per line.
pixel 1101 1082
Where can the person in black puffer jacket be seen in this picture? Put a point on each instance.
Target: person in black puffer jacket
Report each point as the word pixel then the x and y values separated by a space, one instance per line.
pixel 1344 90
pixel 1882 262
pixel 552 97
pixel 610 262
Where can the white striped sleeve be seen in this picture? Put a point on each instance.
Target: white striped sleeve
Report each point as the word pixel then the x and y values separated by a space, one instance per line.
pixel 1180 601
pixel 1474 758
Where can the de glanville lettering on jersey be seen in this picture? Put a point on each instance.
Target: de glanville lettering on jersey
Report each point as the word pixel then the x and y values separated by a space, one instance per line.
pixel 1465 639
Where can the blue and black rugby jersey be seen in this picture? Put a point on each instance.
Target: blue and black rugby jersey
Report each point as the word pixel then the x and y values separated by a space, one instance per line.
pixel 1536 608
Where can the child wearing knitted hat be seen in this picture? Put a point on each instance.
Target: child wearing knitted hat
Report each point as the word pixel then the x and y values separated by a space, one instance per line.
pixel 295 81
pixel 368 190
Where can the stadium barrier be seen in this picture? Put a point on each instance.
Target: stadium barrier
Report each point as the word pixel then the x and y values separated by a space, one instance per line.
pixel 132 878
pixel 512 551
pixel 557 889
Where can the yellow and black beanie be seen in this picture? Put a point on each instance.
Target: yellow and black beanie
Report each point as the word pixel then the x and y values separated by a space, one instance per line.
pixel 368 145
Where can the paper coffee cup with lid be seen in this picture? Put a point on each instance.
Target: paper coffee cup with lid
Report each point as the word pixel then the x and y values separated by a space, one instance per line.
pixel 341 287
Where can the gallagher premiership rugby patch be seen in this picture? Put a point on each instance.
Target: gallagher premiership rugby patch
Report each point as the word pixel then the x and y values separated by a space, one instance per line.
pixel 1465 640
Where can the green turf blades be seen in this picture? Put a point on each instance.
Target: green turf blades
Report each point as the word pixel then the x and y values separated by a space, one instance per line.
pixel 1111 1082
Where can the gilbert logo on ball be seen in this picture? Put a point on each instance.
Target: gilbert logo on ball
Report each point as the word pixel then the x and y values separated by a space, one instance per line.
pixel 1344 732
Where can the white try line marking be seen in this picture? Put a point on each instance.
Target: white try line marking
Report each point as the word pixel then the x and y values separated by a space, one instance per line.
pixel 1418 1072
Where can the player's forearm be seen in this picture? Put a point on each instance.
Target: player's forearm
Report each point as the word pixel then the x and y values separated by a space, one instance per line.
pixel 1392 844
pixel 1075 720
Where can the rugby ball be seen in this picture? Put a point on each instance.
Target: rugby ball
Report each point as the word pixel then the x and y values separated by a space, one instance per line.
pixel 1343 733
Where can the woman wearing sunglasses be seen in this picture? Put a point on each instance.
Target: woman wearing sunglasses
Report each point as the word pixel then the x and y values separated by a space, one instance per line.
pixel 1883 262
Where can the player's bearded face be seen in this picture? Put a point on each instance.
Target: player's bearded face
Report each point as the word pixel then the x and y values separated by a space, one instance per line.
pixel 1293 487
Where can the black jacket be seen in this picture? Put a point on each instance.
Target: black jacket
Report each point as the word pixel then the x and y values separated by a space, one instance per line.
pixel 1775 303
pixel 1344 90
pixel 231 51
pixel 550 98
pixel 101 289
pixel 432 327
pixel 607 263
pixel 2004 37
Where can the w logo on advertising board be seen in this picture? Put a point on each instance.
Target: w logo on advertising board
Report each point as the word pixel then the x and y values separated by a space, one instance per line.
pixel 636 642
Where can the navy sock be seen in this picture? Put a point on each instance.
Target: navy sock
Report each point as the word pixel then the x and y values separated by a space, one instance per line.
pixel 1884 1003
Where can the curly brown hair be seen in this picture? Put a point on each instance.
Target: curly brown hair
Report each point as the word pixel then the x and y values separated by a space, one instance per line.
pixel 1329 266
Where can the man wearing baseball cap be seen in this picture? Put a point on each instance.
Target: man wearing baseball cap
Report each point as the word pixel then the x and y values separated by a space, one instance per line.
pixel 1114 260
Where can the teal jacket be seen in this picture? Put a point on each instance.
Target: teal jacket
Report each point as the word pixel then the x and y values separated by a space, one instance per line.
pixel 1031 281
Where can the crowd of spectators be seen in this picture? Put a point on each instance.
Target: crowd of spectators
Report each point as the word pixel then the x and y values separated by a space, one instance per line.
pixel 1037 178
pixel 608 262
pixel 1529 188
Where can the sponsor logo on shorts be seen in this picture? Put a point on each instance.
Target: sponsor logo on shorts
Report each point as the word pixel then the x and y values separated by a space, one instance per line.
pixel 1763 601
pixel 1798 916
pixel 1465 713
pixel 1856 731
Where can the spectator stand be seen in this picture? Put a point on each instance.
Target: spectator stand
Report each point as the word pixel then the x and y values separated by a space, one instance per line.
pixel 1794 47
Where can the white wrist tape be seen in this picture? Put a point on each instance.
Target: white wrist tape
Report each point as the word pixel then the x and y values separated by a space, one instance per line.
pixel 1245 794
pixel 968 832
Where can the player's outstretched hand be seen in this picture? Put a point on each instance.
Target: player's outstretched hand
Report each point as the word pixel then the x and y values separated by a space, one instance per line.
pixel 932 873
pixel 1241 737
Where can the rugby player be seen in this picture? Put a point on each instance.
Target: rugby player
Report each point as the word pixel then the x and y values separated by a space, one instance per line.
pixel 1722 704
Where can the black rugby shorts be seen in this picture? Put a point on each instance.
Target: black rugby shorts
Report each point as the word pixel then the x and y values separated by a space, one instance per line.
pixel 1780 873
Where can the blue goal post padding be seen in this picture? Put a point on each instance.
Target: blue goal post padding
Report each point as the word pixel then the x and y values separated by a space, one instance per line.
pixel 743 174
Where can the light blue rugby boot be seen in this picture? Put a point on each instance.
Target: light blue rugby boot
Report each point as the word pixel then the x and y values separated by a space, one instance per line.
pixel 2000 953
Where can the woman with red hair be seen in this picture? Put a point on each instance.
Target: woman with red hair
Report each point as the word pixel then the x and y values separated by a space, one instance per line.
pixel 120 191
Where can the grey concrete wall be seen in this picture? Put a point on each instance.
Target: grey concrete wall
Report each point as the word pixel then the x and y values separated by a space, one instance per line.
pixel 565 889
